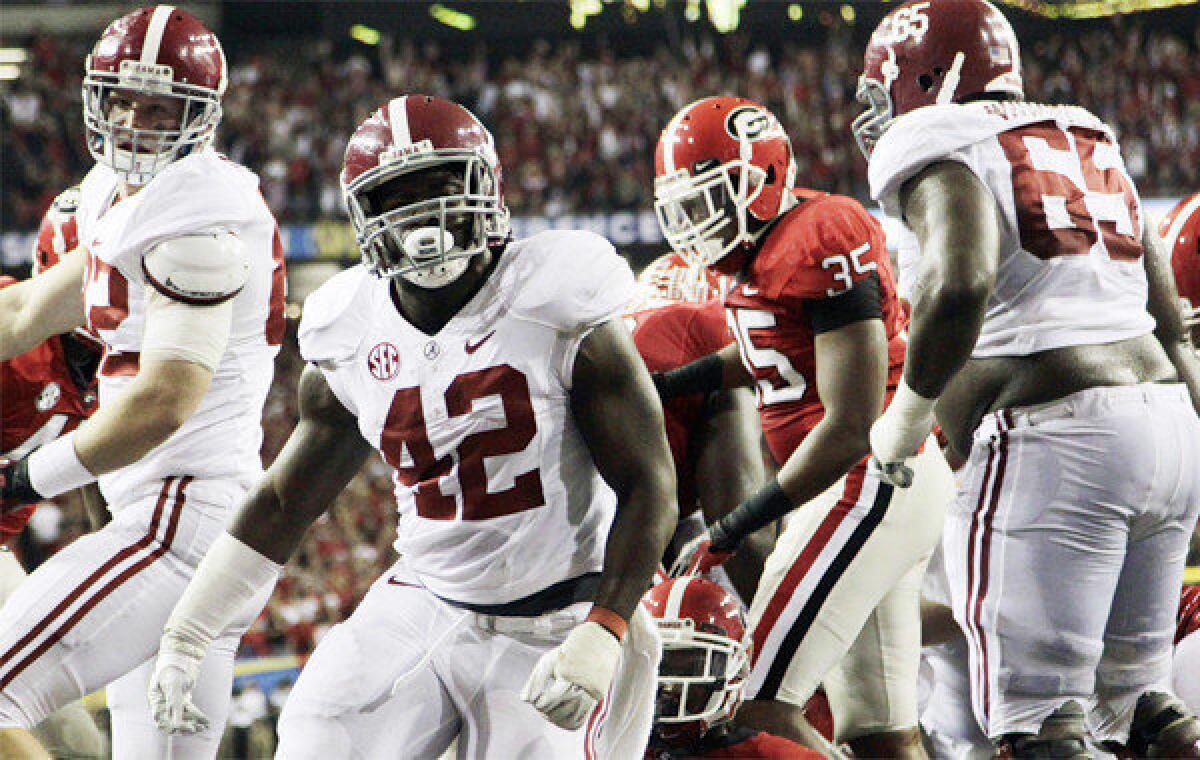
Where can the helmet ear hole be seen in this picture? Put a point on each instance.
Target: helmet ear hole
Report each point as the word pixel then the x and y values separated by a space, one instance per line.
pixel 926 82
pixel 771 174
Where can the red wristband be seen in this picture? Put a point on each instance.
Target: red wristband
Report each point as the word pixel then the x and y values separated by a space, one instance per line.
pixel 614 623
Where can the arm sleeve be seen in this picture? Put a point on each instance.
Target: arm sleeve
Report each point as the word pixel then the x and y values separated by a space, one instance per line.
pixel 179 330
pixel 863 301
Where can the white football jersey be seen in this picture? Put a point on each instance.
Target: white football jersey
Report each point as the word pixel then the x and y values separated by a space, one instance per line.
pixel 1070 270
pixel 498 495
pixel 201 193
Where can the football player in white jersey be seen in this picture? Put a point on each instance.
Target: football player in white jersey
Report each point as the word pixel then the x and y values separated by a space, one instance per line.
pixel 533 478
pixel 1046 328
pixel 182 279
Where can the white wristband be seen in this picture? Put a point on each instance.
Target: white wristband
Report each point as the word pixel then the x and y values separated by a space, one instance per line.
pixel 55 468
pixel 228 577
pixel 910 407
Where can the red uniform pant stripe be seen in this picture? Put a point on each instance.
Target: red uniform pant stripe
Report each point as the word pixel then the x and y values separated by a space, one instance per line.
pixel 175 512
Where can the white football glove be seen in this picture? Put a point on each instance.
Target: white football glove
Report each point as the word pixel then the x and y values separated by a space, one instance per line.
pixel 570 680
pixel 170 694
pixel 897 435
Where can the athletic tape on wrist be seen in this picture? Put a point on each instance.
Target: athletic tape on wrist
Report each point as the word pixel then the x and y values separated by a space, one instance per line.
pixel 55 468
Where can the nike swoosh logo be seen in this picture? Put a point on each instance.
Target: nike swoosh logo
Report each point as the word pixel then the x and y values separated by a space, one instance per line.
pixel 749 291
pixel 393 582
pixel 472 349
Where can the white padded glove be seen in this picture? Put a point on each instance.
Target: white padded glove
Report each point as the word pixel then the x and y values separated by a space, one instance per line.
pixel 170 695
pixel 570 680
pixel 897 435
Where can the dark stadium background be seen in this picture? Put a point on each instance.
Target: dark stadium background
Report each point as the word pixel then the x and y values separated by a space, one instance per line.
pixel 575 93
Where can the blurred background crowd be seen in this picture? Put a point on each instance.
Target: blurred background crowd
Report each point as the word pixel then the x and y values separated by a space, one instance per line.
pixel 576 124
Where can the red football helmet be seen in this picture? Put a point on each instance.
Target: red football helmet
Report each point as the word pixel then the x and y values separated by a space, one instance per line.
pixel 934 51
pixel 1181 230
pixel 427 242
pixel 158 51
pixel 57 234
pixel 716 153
pixel 675 278
pixel 705 658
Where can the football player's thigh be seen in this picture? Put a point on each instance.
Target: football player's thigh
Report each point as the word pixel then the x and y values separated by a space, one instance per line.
pixel 88 615
pixel 874 687
pixel 496 721
pixel 1034 547
pixel 846 565
pixel 369 690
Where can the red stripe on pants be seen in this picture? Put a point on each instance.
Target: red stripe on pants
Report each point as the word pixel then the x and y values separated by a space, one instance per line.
pixel 799 569
pixel 173 522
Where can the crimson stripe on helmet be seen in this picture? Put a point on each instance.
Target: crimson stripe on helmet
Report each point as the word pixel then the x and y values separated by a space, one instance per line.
pixel 154 33
pixel 398 117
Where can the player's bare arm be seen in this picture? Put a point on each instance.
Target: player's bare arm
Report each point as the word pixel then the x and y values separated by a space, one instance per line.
pixel 35 309
pixel 852 375
pixel 320 457
pixel 954 218
pixel 1163 305
pixel 718 371
pixel 165 393
pixel 620 418
pixel 729 467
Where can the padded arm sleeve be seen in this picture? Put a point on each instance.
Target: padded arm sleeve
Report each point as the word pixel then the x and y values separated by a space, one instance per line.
pixel 178 330
pixel 198 269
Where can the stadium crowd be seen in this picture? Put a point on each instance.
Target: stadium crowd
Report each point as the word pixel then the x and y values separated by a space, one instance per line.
pixel 576 132
pixel 577 129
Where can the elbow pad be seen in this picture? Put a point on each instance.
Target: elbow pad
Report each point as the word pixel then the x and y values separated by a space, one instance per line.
pixel 178 330
pixel 198 269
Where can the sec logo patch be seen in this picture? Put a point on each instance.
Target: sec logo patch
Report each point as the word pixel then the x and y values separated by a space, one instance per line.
pixel 383 361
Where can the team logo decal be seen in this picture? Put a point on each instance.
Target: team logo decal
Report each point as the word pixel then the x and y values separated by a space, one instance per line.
pixel 747 123
pixel 48 397
pixel 383 361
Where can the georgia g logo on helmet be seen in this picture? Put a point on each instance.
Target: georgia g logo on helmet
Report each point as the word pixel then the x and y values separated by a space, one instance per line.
pixel 747 123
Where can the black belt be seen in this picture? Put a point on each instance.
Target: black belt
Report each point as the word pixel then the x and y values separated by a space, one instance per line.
pixel 550 599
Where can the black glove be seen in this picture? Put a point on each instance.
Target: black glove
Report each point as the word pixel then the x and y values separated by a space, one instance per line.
pixel 15 488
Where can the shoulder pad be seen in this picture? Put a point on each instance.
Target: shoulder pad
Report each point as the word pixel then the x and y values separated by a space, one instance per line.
pixel 793 260
pixel 329 328
pixel 198 269
pixel 919 138
pixel 570 280
pixel 939 132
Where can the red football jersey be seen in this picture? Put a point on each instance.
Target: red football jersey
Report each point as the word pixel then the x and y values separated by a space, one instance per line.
pixel 1188 620
pixel 41 402
pixel 669 337
pixel 819 249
